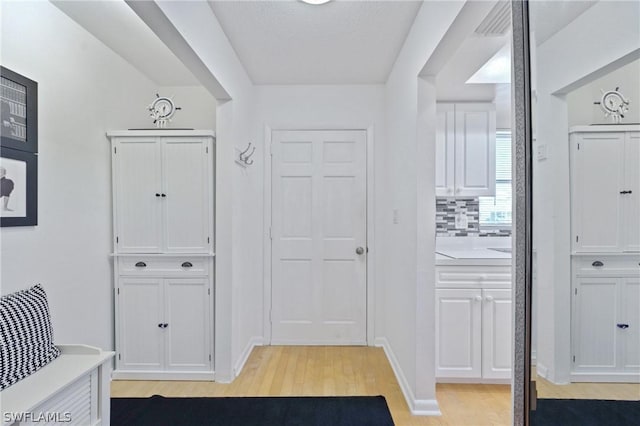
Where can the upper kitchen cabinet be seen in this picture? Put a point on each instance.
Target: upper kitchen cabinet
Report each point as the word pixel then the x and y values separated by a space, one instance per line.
pixel 605 193
pixel 163 191
pixel 465 149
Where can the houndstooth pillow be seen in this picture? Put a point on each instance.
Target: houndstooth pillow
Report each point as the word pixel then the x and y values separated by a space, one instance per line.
pixel 26 336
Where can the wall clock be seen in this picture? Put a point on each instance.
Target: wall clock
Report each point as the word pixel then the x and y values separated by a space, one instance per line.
pixel 162 110
pixel 614 104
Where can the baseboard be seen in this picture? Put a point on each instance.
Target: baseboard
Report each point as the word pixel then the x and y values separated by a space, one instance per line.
pixel 542 371
pixel 244 356
pixel 418 407
pixel 605 377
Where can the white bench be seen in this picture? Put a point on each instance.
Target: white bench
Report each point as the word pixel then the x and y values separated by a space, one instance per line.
pixel 72 389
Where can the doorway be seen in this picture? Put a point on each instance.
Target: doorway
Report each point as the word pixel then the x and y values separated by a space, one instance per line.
pixel 318 237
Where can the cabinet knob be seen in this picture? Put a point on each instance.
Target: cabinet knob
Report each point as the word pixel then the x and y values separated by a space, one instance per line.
pixel 140 265
pixel 622 326
pixel 165 325
pixel 489 298
pixel 478 298
pixel 163 195
pixel 160 325
pixel 187 264
pixel 597 264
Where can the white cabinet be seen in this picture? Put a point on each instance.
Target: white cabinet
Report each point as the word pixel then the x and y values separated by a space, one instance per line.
pixel 163 194
pixel 606 318
pixel 605 195
pixel 473 324
pixel 465 149
pixel 163 254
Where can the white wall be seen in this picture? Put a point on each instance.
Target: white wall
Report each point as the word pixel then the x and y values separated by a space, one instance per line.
pixel 198 106
pixel 330 107
pixel 84 89
pixel 578 54
pixel 580 102
pixel 409 280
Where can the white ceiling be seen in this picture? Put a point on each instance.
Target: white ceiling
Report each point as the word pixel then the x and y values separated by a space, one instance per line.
pixel 118 27
pixel 341 42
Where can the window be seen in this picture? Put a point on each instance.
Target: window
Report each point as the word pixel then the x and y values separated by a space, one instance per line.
pixel 496 211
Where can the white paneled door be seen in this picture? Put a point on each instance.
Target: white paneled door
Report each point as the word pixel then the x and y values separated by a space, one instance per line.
pixel 318 237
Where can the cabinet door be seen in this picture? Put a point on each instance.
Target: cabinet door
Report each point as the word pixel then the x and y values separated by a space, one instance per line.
pixel 631 201
pixel 595 335
pixel 445 150
pixel 188 333
pixel 185 181
pixel 458 333
pixel 630 315
pixel 137 181
pixel 475 140
pixel 140 336
pixel 496 334
pixel 598 178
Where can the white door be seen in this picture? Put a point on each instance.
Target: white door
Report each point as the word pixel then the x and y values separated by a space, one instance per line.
pixel 631 201
pixel 598 179
pixel 458 333
pixel 141 334
pixel 496 334
pixel 185 173
pixel 475 140
pixel 187 330
pixel 445 150
pixel 318 224
pixel 138 195
pixel 630 316
pixel 595 335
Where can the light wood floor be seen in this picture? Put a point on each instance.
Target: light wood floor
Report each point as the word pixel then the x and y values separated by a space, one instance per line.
pixel 334 370
pixel 302 371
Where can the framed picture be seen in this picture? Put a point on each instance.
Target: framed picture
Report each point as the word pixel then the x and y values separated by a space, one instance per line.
pixel 18 188
pixel 19 114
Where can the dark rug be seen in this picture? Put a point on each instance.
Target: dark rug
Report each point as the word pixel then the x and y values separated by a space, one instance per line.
pixel 585 412
pixel 267 411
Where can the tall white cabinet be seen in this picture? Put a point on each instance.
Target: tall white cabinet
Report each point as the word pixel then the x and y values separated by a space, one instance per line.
pixel 163 194
pixel 465 149
pixel 605 228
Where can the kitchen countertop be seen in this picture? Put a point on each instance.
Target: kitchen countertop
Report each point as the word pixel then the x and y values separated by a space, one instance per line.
pixel 473 251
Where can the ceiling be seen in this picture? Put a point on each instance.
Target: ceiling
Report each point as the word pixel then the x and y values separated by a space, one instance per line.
pixel 116 25
pixel 341 42
pixel 290 42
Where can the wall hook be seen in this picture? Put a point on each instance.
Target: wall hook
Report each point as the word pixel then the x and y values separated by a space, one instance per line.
pixel 244 157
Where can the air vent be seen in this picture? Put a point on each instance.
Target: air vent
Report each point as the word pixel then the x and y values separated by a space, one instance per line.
pixel 497 22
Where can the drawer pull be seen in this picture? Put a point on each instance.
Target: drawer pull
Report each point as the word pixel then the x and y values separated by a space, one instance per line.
pixel 140 265
pixel 623 326
pixel 187 264
pixel 597 263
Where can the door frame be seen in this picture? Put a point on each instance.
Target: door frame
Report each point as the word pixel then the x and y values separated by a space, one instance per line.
pixel 370 216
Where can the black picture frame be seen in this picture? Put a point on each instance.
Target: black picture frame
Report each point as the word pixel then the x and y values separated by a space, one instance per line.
pixel 21 169
pixel 19 111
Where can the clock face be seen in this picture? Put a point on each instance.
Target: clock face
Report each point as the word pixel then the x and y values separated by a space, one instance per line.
pixel 164 107
pixel 612 101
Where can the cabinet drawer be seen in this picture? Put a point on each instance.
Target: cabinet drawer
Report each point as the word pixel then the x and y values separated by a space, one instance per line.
pixel 473 277
pixel 606 265
pixel 173 266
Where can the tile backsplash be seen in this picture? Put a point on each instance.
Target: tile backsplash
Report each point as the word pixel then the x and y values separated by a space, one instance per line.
pixel 460 217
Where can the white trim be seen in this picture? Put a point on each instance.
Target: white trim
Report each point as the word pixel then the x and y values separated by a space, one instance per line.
pixel 606 377
pixel 266 249
pixel 370 191
pixel 244 356
pixel 418 407
pixel 162 375
pixel 371 252
pixel 534 357
pixel 474 380
pixel 542 371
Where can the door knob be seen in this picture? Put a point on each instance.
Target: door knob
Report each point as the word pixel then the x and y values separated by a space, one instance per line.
pixel 360 250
